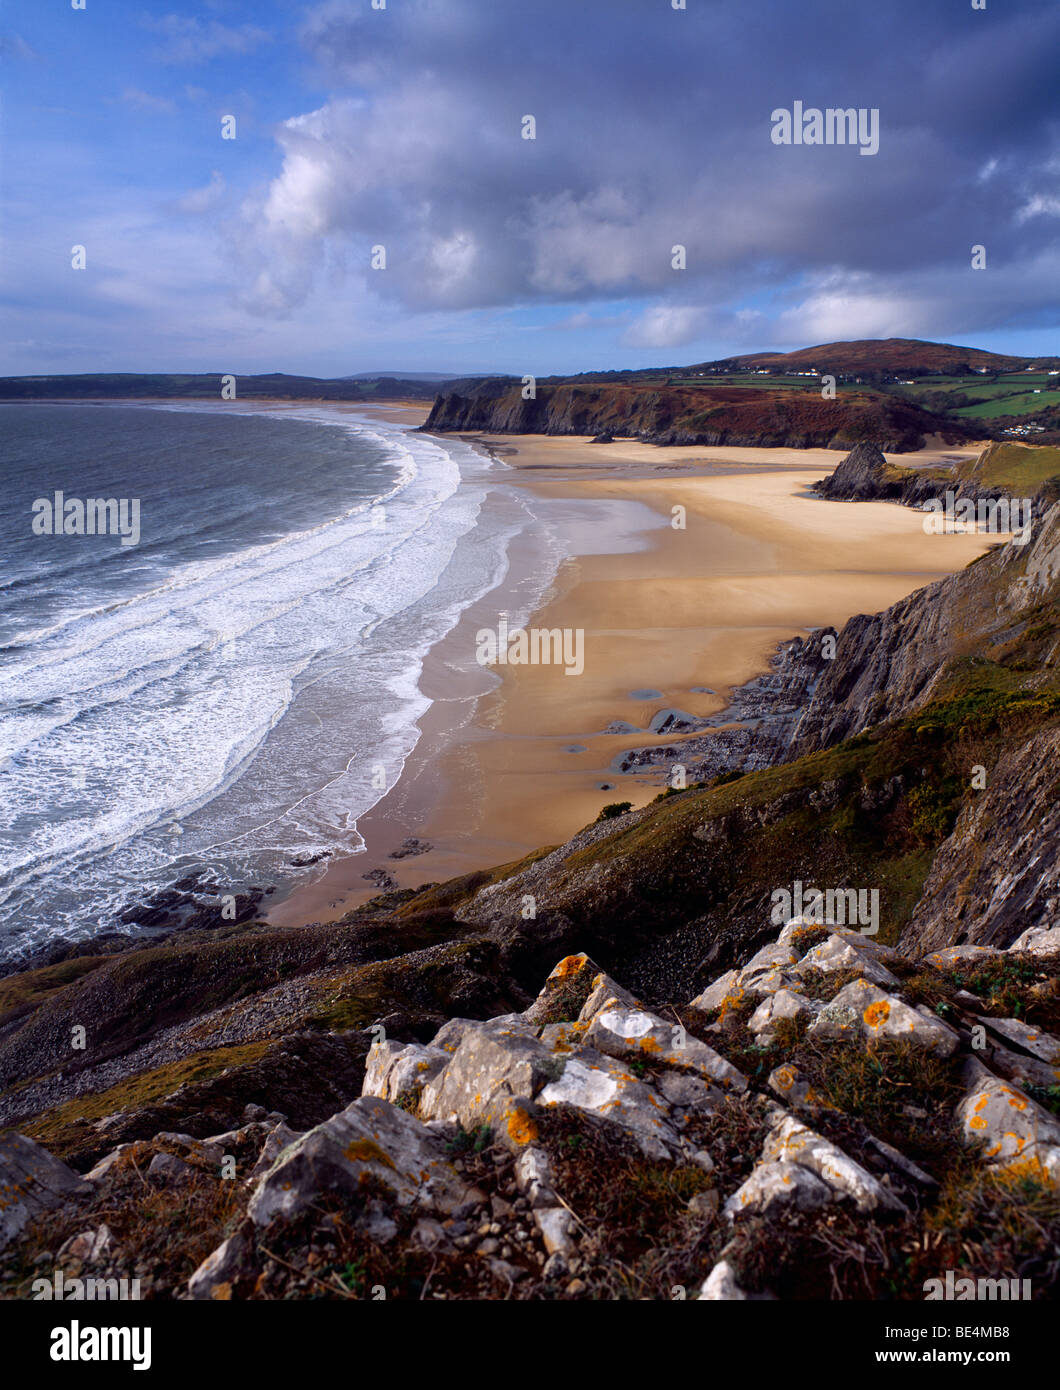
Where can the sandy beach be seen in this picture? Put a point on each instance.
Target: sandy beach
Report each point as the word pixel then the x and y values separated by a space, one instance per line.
pixel 697 607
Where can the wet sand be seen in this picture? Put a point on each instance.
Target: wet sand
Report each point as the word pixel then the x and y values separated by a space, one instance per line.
pixel 753 560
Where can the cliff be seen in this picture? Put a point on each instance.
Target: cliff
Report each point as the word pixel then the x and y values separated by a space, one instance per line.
pixel 710 415
pixel 1002 470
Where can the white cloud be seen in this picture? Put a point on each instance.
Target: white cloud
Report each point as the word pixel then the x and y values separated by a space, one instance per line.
pixel 665 326
pixel 144 101
pixel 200 200
pixel 190 40
pixel 1039 205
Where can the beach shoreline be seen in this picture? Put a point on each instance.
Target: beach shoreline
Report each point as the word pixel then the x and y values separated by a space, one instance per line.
pixel 674 615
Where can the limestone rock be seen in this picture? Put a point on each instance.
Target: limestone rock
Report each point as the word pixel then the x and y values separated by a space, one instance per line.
pixel 720 1286
pixel 960 955
pixel 491 1067
pixel 786 1003
pixel 392 1068
pixel 1038 941
pixel 847 952
pixel 790 1141
pixel 788 1082
pixel 278 1140
pixel 369 1139
pixel 221 1273
pixel 31 1181
pixel 1018 1134
pixel 714 996
pixel 860 1010
pixel 689 1092
pixel 1033 1040
pixel 602 1086
pixel 168 1170
pixel 572 978
pixel 624 1032
pixel 769 969
pixel 774 1187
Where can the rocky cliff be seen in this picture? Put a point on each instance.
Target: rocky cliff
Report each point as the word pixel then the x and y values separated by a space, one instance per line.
pixel 832 1120
pixel 1002 470
pixel 710 415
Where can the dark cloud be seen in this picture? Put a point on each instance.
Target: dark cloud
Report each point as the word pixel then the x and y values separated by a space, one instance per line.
pixel 653 129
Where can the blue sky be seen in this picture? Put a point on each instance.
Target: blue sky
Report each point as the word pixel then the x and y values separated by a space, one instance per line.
pixel 401 127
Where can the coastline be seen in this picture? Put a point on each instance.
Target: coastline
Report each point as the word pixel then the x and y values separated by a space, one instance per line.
pixel 685 613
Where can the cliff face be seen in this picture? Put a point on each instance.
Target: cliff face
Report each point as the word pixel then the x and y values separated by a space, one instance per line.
pixel 742 416
pixel 890 663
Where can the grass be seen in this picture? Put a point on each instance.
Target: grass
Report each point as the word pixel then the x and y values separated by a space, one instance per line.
pixel 34 986
pixel 1019 468
pixel 1023 404
pixel 53 1127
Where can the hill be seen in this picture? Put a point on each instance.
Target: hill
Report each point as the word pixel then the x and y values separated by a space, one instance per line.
pixel 892 356
pixel 207 386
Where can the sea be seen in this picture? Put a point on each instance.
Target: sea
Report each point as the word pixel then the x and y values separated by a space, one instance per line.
pixel 229 695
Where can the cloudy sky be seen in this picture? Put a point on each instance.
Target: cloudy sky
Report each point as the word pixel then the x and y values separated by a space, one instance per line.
pixel 402 127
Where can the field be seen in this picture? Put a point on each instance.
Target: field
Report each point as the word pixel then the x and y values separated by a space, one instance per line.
pixel 976 397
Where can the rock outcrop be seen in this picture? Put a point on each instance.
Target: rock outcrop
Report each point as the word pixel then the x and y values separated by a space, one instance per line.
pixel 711 415
pixel 589 1147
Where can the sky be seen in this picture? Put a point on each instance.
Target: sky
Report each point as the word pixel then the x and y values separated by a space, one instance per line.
pixel 401 124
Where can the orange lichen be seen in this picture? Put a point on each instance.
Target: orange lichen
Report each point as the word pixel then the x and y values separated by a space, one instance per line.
pixel 521 1128
pixel 569 965
pixel 365 1151
pixel 877 1014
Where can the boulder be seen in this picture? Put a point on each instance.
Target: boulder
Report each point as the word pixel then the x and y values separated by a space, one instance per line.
pixel 280 1138
pixel 715 995
pixel 602 1086
pixel 619 1031
pixel 370 1143
pixel 847 952
pixel 950 956
pixel 1017 1134
pixel 1033 1040
pixel 791 1086
pixel 720 1286
pixel 32 1181
pixel 790 1141
pixel 491 1067
pixel 1037 941
pixel 393 1068
pixel 230 1266
pixel 860 1010
pixel 565 990
pixel 774 1187
pixel 786 1003
pixel 769 969
pixel 169 1171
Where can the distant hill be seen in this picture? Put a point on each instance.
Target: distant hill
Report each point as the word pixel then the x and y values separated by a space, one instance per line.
pixel 403 376
pixel 207 386
pixel 898 356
